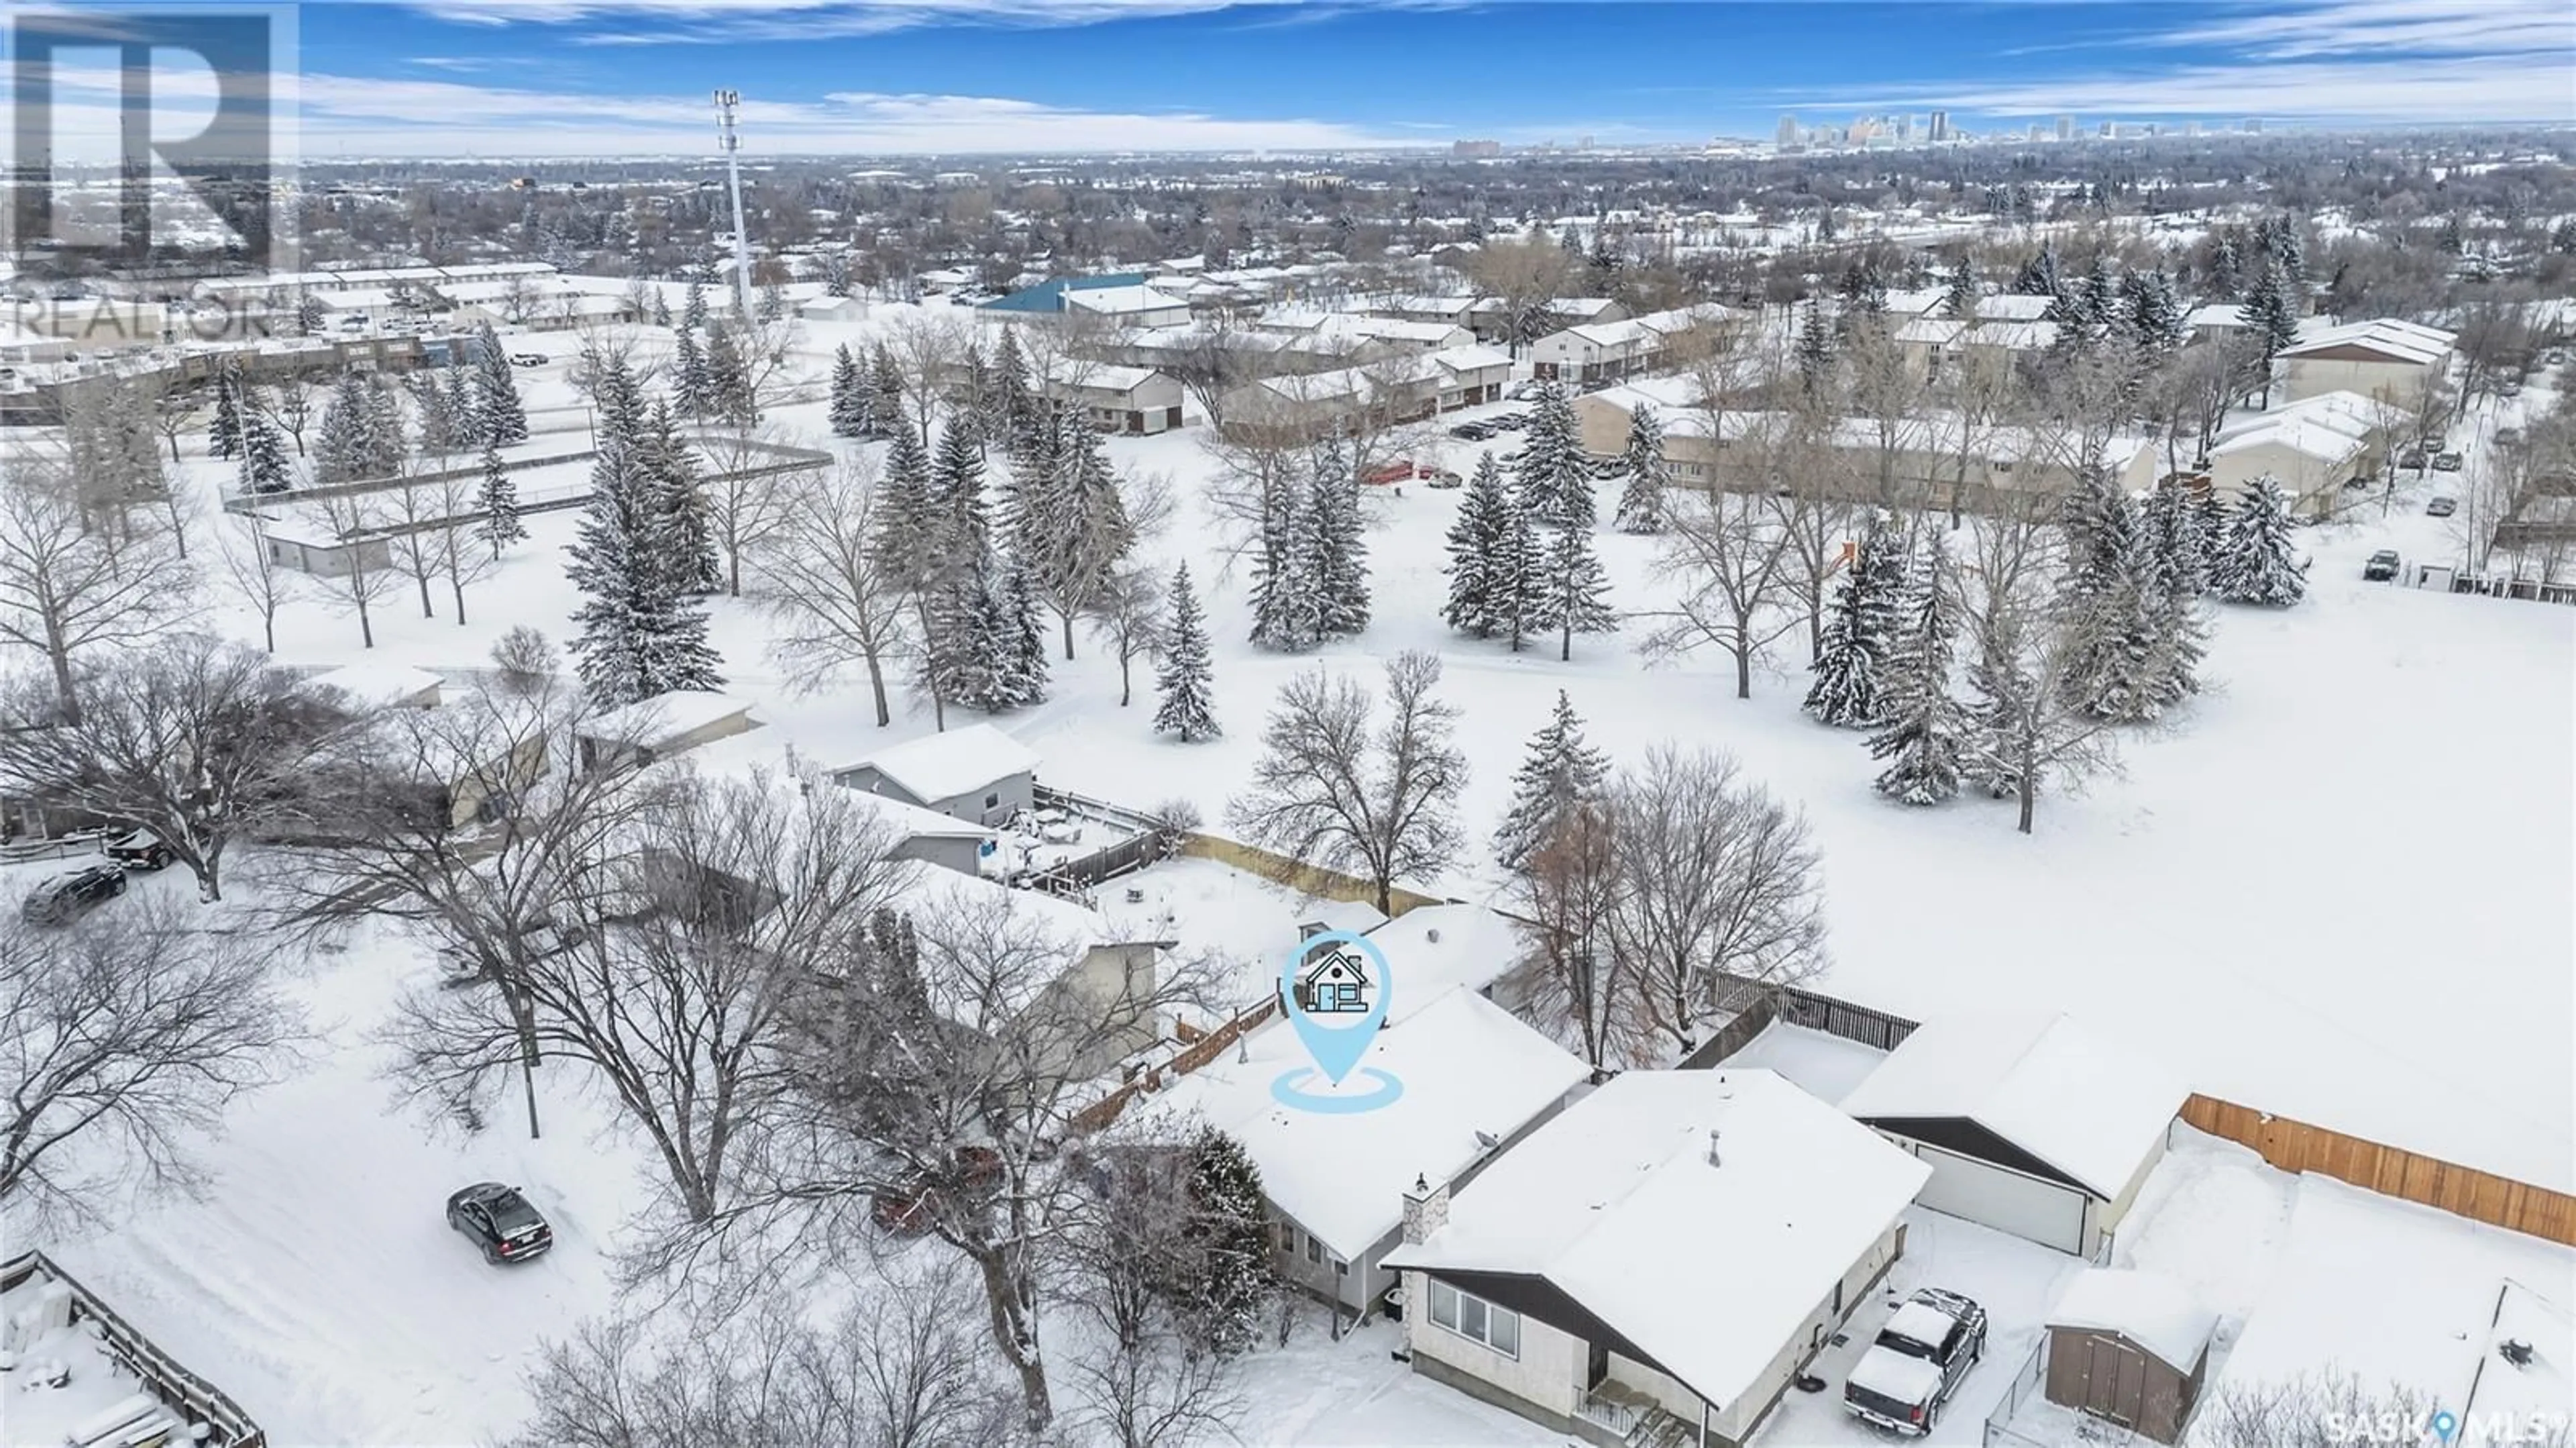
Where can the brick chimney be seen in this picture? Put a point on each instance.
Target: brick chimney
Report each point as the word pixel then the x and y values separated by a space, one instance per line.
pixel 1426 1209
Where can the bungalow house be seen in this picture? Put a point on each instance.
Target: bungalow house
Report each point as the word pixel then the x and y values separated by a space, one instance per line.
pixel 1119 299
pixel 1309 406
pixel 1593 352
pixel 1475 1079
pixel 977 773
pixel 2031 1124
pixel 1934 344
pixel 2309 457
pixel 1657 1263
pixel 1113 398
pixel 1491 318
pixel 2384 358
pixel 1467 376
pixel 659 727
pixel 931 837
pixel 1455 311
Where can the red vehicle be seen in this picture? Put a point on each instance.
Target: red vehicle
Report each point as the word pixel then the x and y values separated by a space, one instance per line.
pixel 906 1213
pixel 1400 470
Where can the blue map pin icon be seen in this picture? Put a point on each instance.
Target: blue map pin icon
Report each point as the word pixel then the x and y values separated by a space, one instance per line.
pixel 1335 987
pixel 2444 1425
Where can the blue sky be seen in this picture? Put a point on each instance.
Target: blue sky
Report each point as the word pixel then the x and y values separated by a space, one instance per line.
pixel 564 77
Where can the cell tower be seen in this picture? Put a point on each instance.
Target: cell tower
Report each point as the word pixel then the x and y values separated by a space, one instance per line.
pixel 727 102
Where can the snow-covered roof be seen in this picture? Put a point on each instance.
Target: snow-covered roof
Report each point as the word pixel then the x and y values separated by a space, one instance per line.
pixel 648 723
pixel 2088 1107
pixel 948 764
pixel 1471 1070
pixel 378 686
pixel 2216 315
pixel 2309 436
pixel 2149 1309
pixel 1582 306
pixel 1120 301
pixel 1104 376
pixel 1618 1204
pixel 913 822
pixel 1436 948
pixel 1470 358
pixel 2013 307
pixel 2400 340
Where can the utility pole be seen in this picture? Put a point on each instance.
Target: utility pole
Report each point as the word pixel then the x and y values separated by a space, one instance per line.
pixel 727 102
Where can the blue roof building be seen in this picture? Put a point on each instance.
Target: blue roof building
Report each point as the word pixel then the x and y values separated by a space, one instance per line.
pixel 1048 296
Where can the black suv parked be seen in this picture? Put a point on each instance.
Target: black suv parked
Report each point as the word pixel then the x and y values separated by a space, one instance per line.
pixel 61 898
pixel 1915 1365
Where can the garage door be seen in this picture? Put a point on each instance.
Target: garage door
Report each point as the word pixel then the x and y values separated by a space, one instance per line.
pixel 2044 1212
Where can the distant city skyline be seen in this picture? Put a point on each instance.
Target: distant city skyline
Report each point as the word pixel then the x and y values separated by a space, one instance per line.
pixel 559 77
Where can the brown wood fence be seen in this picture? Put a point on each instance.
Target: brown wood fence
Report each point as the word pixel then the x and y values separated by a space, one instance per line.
pixel 1310 879
pixel 2390 1171
pixel 1202 1047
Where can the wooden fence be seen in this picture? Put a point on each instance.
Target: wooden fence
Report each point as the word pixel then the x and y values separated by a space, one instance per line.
pixel 2391 1171
pixel 1202 1047
pixel 1309 879
pixel 1830 1014
pixel 193 1398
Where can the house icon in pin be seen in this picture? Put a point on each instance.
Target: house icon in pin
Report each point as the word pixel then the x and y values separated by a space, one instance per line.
pixel 1334 985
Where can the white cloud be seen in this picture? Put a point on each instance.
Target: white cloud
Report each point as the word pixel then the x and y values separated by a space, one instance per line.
pixel 2385 27
pixel 2463 89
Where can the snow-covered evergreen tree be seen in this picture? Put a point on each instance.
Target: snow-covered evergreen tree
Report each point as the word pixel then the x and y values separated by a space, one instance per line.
pixel 1574 594
pixel 264 468
pixel 498 500
pixel 1476 540
pixel 1228 1299
pixel 1287 608
pixel 1926 735
pixel 729 391
pixel 501 419
pixel 1516 593
pixel 848 414
pixel 957 492
pixel 885 389
pixel 2039 276
pixel 1560 771
pixel 1337 545
pixel 693 307
pixel 442 430
pixel 2258 559
pixel 675 471
pixel 1019 668
pixel 642 632
pixel 2270 314
pixel 1641 502
pixel 309 315
pixel 1859 634
pixel 224 433
pixel 907 532
pixel 1015 404
pixel 349 438
pixel 690 380
pixel 661 308
pixel 1555 476
pixel 1959 292
pixel 1186 679
pixel 1815 349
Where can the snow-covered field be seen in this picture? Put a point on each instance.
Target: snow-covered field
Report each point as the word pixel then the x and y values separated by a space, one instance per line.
pixel 2338 888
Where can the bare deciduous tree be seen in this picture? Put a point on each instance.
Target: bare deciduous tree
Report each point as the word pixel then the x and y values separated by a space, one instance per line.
pixel 256 575
pixel 121 1040
pixel 1720 889
pixel 747 500
pixel 71 582
pixel 1567 894
pixel 1128 616
pixel 198 739
pixel 2029 735
pixel 1730 555
pixel 929 352
pixel 1330 790
pixel 355 523
pixel 818 574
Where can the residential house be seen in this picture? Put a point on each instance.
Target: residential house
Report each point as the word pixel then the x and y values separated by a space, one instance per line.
pixel 1121 299
pixel 931 837
pixel 2387 359
pixel 976 773
pixel 1934 345
pixel 2310 456
pixel 659 727
pixel 2030 1123
pixel 1659 1262
pixel 1601 352
pixel 1474 1079
pixel 1469 375
pixel 1113 398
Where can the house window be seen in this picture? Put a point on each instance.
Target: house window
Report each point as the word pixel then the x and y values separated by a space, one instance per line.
pixel 1287 1240
pixel 1470 1316
pixel 1314 1248
pixel 992 801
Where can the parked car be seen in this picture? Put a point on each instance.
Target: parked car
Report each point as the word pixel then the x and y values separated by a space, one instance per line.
pixel 1442 478
pixel 1510 421
pixel 2381 568
pixel 60 899
pixel 2443 506
pixel 140 850
pixel 2448 462
pixel 501 1221
pixel 1472 431
pixel 1398 471
pixel 2413 458
pixel 1917 1361
pixel 1521 392
pixel 527 359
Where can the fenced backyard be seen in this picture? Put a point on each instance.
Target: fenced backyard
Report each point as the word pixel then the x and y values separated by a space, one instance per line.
pixel 198 1402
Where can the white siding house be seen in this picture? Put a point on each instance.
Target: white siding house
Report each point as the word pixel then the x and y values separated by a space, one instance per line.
pixel 1113 398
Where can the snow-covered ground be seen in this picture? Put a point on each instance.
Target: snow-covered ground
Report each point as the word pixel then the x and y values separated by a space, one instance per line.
pixel 2338 888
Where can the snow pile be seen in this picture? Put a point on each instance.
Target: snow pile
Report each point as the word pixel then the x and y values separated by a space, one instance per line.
pixel 1824 1066
pixel 2090 1108
pixel 380 686
pixel 2147 1308
pixel 1619 1204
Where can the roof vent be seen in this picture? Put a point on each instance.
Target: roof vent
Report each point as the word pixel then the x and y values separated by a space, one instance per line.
pixel 2515 1351
pixel 1712 1146
pixel 1432 935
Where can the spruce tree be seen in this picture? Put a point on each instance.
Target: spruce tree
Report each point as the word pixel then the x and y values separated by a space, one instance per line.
pixel 1186 679
pixel 498 500
pixel 501 418
pixel 1560 771
pixel 691 381
pixel 1555 476
pixel 1927 731
pixel 642 632
pixel 1337 546
pixel 1227 1301
pixel 849 409
pixel 1019 667
pixel 2257 559
pixel 1575 596
pixel 661 308
pixel 1287 609
pixel 1846 690
pixel 264 468
pixel 350 437
pixel 1959 293
pixel 1641 502
pixel 729 391
pixel 224 434
pixel 885 389
pixel 693 307
pixel 675 473
pixel 957 492
pixel 1517 592
pixel 2271 315
pixel 385 424
pixel 1815 350
pixel 907 531
pixel 1014 404
pixel 1476 541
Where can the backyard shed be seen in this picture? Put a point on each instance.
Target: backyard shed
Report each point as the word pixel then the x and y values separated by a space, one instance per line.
pixel 2031 1124
pixel 2131 1348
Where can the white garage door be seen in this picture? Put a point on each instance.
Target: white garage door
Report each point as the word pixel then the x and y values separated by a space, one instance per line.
pixel 2044 1212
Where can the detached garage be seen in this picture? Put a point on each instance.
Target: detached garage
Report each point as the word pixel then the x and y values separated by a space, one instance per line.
pixel 2131 1348
pixel 2031 1124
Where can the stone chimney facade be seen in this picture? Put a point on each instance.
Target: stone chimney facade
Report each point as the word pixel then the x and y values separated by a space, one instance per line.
pixel 1426 1209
